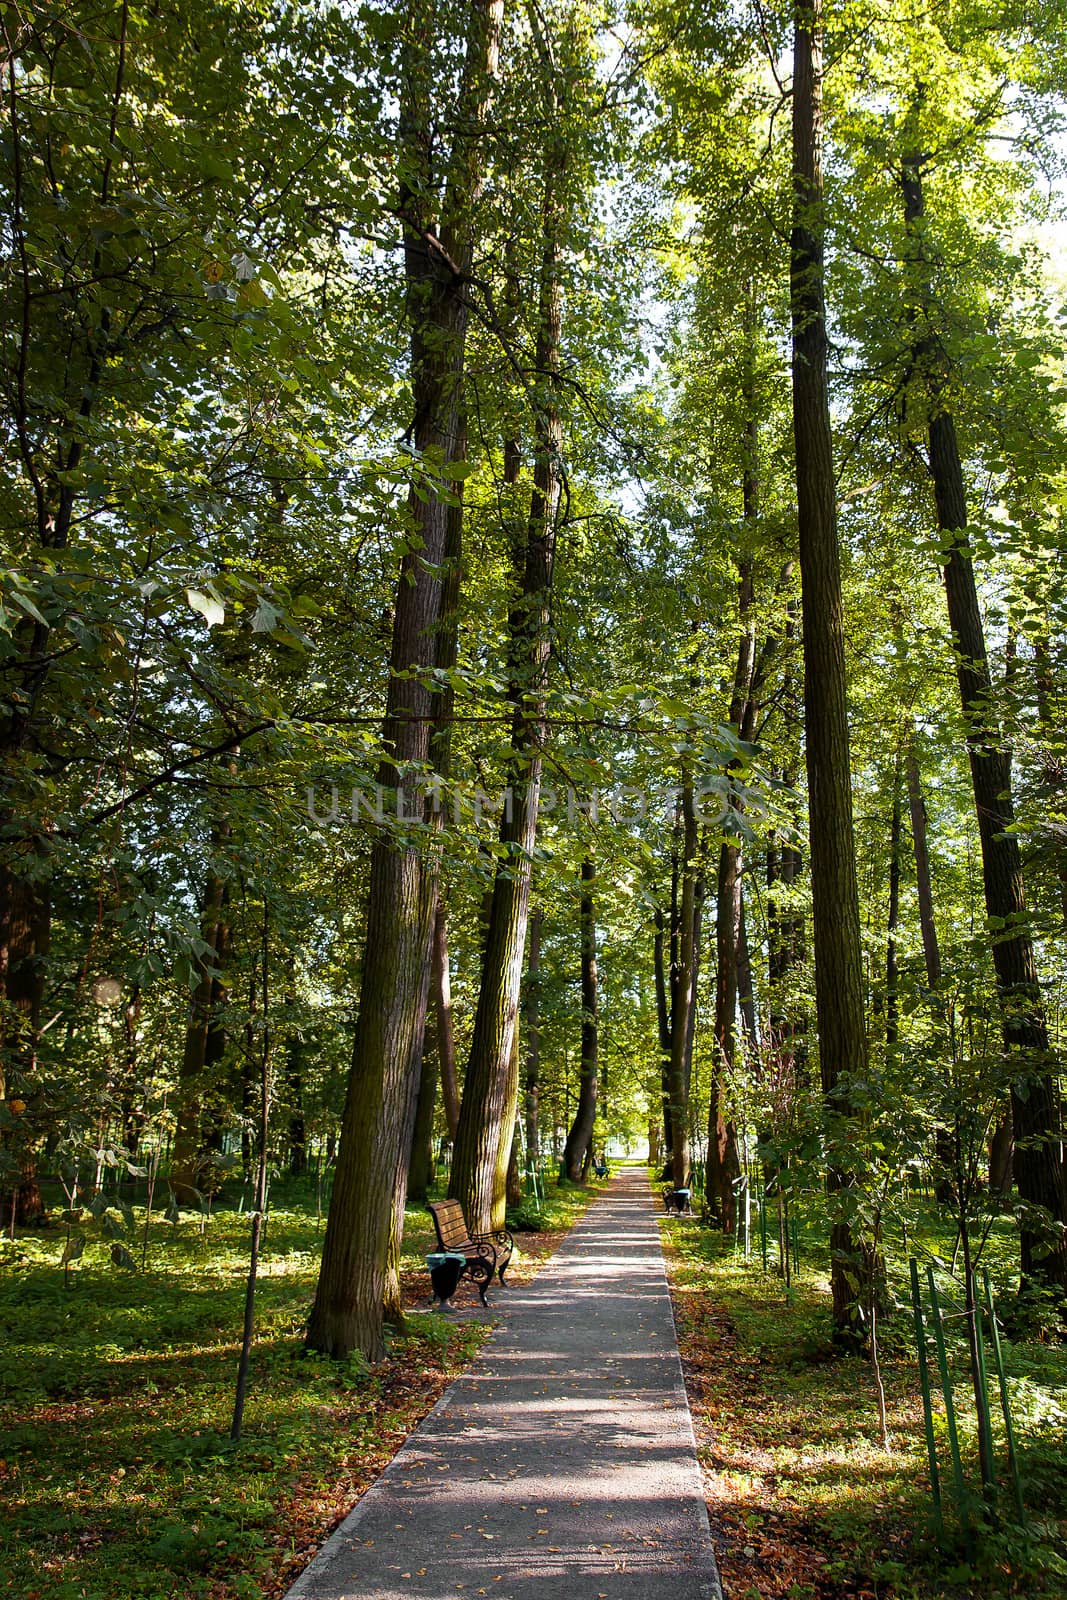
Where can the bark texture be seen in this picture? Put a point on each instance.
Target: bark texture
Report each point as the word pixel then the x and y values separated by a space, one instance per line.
pixel 490 1086
pixel 204 1047
pixel 366 1210
pixel 684 990
pixel 1035 1106
pixel 532 1034
pixel 835 901
pixel 580 1139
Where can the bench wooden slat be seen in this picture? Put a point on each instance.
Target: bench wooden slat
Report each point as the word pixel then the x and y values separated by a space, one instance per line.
pixel 485 1255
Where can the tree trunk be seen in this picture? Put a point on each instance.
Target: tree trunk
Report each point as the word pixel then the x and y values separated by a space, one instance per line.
pixel 420 1163
pixel 684 989
pixel 723 1160
pixel 514 1180
pixel 25 929
pixel 441 753
pixel 724 1164
pixel 923 882
pixel 1051 764
pixel 579 1141
pixel 532 1032
pixel 294 1093
pixel 444 1032
pixel 488 1109
pixel 746 988
pixel 835 901
pixel 944 1151
pixel 50 467
pixel 1035 1109
pixel 133 1113
pixel 892 1003
pixel 367 1199
pixel 294 1081
pixel 663 1018
pixel 1001 1158
pixel 202 1048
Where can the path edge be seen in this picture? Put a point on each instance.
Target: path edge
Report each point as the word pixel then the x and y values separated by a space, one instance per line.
pixel 349 1522
pixel 716 1580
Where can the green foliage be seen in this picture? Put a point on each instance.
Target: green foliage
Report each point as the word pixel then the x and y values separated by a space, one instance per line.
pixel 114 1413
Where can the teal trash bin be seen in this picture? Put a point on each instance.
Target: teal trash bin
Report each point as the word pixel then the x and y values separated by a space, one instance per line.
pixel 446 1269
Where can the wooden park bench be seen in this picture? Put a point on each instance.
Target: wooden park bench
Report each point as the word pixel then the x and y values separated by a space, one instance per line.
pixel 483 1254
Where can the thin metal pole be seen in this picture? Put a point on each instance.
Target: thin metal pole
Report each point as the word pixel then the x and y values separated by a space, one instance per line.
pixel 984 1419
pixel 950 1412
pixel 928 1410
pixel 1009 1431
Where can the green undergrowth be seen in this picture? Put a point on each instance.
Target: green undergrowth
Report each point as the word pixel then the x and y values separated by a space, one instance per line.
pixel 116 1393
pixel 791 1439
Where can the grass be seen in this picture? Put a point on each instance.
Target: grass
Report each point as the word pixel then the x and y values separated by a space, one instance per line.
pixel 804 1501
pixel 116 1393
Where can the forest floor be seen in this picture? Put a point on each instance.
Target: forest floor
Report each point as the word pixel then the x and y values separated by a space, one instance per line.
pixel 117 1476
pixel 804 1501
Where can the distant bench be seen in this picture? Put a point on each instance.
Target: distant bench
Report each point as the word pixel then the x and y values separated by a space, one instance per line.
pixel 483 1254
pixel 679 1201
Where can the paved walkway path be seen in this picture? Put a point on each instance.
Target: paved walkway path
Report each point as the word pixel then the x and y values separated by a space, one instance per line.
pixel 562 1465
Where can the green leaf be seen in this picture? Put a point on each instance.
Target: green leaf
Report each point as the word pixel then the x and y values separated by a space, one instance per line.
pixel 24 603
pixel 266 617
pixel 211 609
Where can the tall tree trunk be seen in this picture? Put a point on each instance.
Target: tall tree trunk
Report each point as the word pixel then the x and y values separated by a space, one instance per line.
pixel 201 1048
pixel 133 1114
pixel 786 944
pixel 684 988
pixel 663 1020
pixel 514 1179
pixel 1035 1108
pixel 835 901
pixel 746 988
pixel 944 1143
pixel 505 1151
pixel 25 928
pixel 532 1034
pixel 723 1160
pixel 294 1083
pixel 361 1241
pixel 923 881
pixel 724 1164
pixel 51 468
pixel 420 1162
pixel 892 1002
pixel 441 987
pixel 1052 766
pixel 441 754
pixel 579 1140
pixel 488 1108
